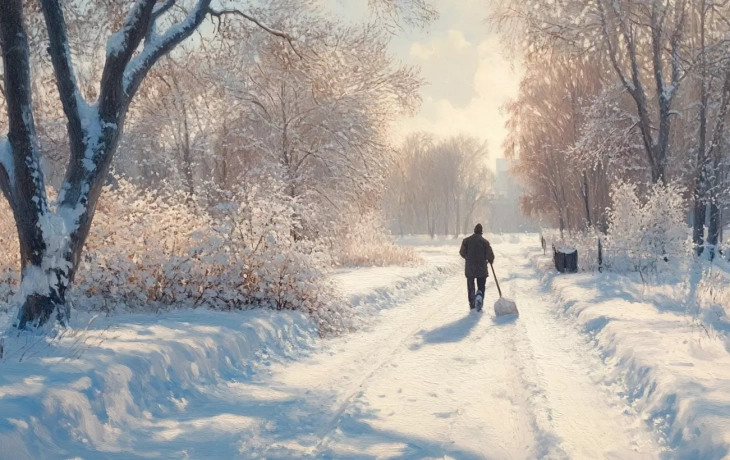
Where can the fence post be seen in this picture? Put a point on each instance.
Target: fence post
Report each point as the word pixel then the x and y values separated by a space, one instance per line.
pixel 543 243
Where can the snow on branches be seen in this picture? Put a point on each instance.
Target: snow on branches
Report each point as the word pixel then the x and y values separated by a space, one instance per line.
pixel 620 91
pixel 137 34
pixel 647 235
pixel 149 252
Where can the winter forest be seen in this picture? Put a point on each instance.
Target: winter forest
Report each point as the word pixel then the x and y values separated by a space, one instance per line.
pixel 242 229
pixel 229 158
pixel 622 103
pixel 165 152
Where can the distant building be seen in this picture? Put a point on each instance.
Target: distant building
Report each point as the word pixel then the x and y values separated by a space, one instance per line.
pixel 503 179
pixel 503 211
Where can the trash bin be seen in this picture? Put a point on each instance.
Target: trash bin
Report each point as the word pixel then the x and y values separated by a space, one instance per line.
pixel 566 260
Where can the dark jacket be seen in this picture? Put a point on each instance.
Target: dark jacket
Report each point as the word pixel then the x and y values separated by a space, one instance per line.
pixel 477 252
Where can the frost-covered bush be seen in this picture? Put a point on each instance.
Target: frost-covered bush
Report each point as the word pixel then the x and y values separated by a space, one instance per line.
pixel 158 251
pixel 647 235
pixel 9 255
pixel 365 241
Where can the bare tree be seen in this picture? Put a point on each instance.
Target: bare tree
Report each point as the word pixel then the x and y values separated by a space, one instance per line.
pixel 437 186
pixel 661 24
pixel 643 42
pixel 52 235
pixel 709 58
pixel 548 124
pixel 323 120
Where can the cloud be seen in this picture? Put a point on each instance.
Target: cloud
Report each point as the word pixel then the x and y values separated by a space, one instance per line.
pixel 494 83
pixel 457 40
pixel 454 41
pixel 448 61
pixel 421 52
pixel 468 78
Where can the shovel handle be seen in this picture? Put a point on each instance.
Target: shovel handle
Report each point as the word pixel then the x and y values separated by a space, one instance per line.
pixel 495 280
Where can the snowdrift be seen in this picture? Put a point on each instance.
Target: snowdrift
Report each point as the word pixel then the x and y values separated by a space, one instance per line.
pixel 660 358
pixel 122 385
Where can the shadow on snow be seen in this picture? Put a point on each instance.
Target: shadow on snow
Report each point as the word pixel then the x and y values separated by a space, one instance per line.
pixel 455 331
pixel 127 399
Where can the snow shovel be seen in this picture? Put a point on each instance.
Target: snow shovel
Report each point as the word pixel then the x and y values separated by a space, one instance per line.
pixel 503 306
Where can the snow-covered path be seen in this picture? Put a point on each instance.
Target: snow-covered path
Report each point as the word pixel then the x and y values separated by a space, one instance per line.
pixel 430 380
pixel 426 379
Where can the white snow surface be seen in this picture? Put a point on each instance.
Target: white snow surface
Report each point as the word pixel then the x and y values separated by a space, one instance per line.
pixel 668 360
pixel 586 371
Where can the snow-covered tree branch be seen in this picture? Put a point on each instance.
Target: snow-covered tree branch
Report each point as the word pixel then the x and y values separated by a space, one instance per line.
pixel 653 113
pixel 52 233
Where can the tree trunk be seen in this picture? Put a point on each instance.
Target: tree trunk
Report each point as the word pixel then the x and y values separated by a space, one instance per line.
pixel 585 198
pixel 721 235
pixel 467 223
pixel 21 179
pixel 51 240
pixel 446 216
pixel 428 221
pixel 50 286
pixel 56 256
pixel 698 224
pixel 187 158
pixel 715 159
pixel 58 265
pixel 713 232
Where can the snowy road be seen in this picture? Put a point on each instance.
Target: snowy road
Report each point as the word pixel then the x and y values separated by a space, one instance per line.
pixel 425 379
pixel 430 380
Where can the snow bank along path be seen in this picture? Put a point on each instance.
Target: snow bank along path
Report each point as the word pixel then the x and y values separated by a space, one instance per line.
pixel 425 379
pixel 673 361
pixel 172 386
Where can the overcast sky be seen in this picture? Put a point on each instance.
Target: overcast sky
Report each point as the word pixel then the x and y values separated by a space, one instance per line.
pixel 469 78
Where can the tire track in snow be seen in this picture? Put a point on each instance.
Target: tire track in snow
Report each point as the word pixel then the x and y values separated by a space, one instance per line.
pixel 392 354
pixel 484 340
pixel 527 394
pixel 483 332
pixel 496 390
pixel 578 417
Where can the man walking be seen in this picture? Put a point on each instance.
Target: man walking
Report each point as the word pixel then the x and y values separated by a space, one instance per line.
pixel 476 251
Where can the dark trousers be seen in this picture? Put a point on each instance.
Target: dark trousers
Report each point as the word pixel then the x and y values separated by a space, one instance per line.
pixel 481 282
